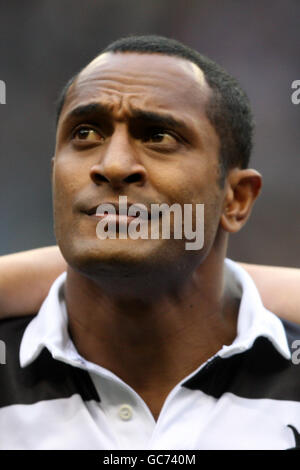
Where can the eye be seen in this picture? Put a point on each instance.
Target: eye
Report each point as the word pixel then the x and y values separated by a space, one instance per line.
pixel 160 136
pixel 87 134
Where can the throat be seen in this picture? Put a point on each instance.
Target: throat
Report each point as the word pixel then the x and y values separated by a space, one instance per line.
pixel 152 346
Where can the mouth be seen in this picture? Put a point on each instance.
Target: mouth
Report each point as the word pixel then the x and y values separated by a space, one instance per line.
pixel 118 213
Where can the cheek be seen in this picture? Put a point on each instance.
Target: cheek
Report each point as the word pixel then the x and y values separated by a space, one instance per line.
pixel 66 182
pixel 193 184
pixel 198 184
pixel 65 185
pixel 187 182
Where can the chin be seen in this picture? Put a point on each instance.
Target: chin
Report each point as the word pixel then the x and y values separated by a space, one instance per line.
pixel 121 257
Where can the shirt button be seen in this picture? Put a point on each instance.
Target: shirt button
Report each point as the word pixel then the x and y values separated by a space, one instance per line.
pixel 125 412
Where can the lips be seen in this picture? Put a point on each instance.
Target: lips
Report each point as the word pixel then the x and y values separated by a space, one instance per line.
pixel 114 211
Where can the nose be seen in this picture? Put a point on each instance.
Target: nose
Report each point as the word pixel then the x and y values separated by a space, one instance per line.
pixel 118 163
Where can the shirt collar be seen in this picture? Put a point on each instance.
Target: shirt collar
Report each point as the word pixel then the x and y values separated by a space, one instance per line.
pixel 50 327
pixel 254 319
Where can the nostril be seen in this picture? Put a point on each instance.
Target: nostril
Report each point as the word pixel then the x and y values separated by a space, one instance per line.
pixel 134 178
pixel 98 178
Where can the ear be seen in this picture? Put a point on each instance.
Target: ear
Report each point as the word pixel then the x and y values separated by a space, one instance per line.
pixel 242 188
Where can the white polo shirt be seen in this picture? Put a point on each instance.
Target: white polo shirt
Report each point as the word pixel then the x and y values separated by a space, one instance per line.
pixel 247 396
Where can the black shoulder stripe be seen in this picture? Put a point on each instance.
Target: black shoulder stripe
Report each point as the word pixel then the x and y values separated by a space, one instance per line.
pixel 260 372
pixel 292 331
pixel 44 379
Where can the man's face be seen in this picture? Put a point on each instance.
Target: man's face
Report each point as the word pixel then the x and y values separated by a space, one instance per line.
pixel 134 125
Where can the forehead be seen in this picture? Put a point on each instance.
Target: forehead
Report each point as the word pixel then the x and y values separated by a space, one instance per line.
pixel 149 81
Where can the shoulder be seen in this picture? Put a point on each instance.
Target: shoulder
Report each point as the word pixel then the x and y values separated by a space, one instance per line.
pixel 12 329
pixel 11 334
pixel 292 331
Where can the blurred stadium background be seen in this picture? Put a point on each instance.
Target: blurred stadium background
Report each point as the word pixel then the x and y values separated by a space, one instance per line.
pixel 44 42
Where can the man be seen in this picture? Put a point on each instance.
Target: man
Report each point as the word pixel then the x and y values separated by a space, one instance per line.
pixel 144 344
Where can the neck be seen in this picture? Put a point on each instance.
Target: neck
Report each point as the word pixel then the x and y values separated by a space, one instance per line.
pixel 153 342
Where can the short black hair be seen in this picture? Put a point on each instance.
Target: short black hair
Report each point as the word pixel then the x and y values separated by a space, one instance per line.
pixel 228 109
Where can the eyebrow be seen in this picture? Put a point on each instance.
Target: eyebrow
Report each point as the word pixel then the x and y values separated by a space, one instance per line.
pixel 149 117
pixel 158 119
pixel 87 110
